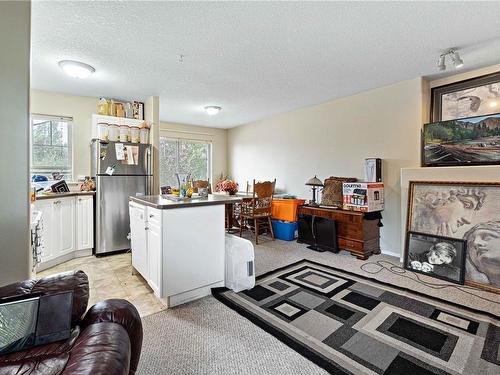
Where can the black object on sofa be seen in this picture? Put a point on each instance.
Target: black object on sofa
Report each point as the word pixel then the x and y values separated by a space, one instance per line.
pixel 107 338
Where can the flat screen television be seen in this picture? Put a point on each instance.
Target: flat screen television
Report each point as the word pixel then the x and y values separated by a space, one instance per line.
pixel 467 141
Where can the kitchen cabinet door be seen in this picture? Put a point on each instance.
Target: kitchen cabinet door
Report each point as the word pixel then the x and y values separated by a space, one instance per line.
pixel 138 239
pixel 64 220
pixel 154 255
pixel 84 222
pixel 46 206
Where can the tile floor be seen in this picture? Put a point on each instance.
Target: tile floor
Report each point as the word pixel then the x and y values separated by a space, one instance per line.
pixel 112 277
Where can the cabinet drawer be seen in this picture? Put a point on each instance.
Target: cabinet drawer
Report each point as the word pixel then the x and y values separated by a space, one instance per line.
pixel 351 231
pixel 350 245
pixel 347 217
pixel 154 216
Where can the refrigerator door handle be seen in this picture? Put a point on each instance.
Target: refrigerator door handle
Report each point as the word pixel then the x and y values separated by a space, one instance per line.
pixel 147 156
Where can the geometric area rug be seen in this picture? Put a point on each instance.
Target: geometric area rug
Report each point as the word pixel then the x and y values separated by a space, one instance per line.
pixel 351 324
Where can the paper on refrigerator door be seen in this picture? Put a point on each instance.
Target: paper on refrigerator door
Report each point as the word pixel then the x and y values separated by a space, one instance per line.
pixel 120 152
pixel 131 155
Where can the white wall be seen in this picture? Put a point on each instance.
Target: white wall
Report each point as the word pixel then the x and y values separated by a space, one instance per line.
pixel 333 139
pixel 14 133
pixel 80 108
pixel 218 137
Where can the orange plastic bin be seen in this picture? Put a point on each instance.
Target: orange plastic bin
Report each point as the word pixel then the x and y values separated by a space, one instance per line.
pixel 286 209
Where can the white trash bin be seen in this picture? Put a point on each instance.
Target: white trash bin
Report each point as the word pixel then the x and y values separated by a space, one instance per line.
pixel 240 265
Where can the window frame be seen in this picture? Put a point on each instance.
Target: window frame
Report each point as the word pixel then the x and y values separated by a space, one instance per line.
pixel 208 142
pixel 46 169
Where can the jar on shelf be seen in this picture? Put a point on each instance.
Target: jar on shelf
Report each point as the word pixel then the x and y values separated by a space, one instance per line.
pixel 103 131
pixel 124 133
pixel 144 135
pixel 113 132
pixel 102 106
pixel 135 134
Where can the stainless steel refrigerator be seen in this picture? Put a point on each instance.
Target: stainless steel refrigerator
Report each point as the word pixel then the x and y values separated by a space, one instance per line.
pixel 116 180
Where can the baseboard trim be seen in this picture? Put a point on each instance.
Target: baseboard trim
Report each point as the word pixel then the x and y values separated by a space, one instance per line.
pixel 63 258
pixel 390 253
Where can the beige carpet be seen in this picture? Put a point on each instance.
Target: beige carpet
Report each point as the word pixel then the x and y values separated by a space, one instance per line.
pixel 206 337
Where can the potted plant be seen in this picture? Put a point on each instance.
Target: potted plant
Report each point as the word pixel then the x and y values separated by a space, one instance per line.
pixel 228 186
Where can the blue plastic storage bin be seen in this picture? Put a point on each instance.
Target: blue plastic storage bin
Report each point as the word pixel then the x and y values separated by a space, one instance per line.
pixel 284 230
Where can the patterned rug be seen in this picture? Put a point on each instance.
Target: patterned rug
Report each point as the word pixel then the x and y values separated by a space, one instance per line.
pixel 350 324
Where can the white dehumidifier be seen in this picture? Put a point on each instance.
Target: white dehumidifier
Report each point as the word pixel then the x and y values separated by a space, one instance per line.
pixel 240 265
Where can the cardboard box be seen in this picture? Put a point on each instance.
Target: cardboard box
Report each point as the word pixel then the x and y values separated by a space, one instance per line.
pixel 363 196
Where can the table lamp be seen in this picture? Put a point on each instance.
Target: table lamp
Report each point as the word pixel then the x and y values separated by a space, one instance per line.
pixel 314 182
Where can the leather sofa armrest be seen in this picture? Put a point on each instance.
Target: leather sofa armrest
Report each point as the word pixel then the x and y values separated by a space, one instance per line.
pixel 101 348
pixel 124 313
pixel 75 281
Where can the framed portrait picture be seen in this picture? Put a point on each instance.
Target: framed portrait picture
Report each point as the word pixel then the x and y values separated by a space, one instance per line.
pixel 437 256
pixel 462 210
pixel 478 96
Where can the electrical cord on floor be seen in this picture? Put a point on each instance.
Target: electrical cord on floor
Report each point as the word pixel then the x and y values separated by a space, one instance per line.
pixel 398 270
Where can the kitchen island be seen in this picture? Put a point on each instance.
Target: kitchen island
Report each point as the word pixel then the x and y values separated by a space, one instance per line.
pixel 178 246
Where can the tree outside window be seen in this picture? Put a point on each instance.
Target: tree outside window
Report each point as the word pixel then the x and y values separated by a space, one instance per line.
pixel 183 156
pixel 51 146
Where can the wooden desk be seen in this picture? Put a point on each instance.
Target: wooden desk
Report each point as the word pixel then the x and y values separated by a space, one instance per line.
pixel 354 233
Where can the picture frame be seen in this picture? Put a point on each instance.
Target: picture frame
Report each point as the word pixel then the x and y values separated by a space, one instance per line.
pixel 436 256
pixel 468 141
pixel 479 96
pixel 461 210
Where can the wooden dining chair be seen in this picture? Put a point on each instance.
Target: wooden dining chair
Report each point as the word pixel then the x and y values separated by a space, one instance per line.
pixel 258 208
pixel 197 184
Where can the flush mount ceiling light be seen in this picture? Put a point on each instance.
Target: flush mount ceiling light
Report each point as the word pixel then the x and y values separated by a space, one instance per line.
pixel 454 57
pixel 76 69
pixel 212 110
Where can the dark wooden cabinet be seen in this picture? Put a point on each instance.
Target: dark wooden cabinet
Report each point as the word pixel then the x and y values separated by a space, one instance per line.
pixel 354 232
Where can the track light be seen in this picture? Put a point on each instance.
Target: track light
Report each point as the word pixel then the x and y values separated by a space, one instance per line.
pixel 457 61
pixel 454 57
pixel 441 63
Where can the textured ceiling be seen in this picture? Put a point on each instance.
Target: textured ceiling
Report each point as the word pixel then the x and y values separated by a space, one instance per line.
pixel 254 59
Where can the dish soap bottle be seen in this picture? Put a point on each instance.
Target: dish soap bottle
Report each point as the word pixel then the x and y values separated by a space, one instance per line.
pixel 102 106
pixel 189 190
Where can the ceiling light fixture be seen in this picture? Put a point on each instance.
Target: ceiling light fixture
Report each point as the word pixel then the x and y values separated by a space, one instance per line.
pixel 76 69
pixel 212 110
pixel 454 57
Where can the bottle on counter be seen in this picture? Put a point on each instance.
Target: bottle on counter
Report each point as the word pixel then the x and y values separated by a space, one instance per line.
pixel 189 190
pixel 183 190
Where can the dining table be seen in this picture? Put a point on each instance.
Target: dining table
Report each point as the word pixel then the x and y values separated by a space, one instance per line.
pixel 232 222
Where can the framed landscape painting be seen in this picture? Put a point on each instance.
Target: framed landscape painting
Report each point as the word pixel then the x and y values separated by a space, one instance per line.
pixel 469 141
pixel 473 97
pixel 437 256
pixel 462 210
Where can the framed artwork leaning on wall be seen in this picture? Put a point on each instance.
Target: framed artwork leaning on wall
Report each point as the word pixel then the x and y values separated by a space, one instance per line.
pixel 461 210
pixel 437 256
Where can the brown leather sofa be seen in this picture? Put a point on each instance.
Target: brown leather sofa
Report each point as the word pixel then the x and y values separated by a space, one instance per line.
pixel 107 339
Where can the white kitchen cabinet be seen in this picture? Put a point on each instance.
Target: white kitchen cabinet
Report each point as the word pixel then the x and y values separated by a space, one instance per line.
pixel 46 207
pixel 138 239
pixel 185 247
pixel 154 244
pixel 58 215
pixel 68 228
pixel 64 220
pixel 84 222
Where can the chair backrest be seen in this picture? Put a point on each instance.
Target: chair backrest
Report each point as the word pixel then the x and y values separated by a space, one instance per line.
pixel 263 196
pixel 202 184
